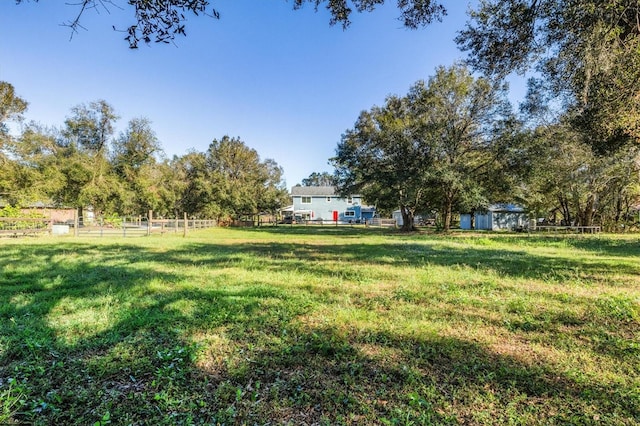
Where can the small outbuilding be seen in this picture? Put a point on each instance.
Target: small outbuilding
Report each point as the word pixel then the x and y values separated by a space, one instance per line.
pixel 497 217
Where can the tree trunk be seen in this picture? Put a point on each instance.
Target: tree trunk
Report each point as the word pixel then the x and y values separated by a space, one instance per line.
pixel 407 219
pixel 566 213
pixel 80 218
pixel 618 213
pixel 448 212
pixel 587 213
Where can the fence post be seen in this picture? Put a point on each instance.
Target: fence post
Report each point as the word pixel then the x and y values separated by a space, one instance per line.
pixel 186 225
pixel 149 219
pixel 76 223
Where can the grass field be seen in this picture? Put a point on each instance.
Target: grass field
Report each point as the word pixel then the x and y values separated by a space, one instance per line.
pixel 320 326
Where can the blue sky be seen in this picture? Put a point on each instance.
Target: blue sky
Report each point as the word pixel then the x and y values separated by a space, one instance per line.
pixel 285 82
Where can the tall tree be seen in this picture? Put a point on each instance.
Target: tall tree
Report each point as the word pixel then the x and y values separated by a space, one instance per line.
pixel 171 183
pixel 432 149
pixel 385 159
pixel 11 109
pixel 566 178
pixel 134 161
pixel 196 186
pixel 461 119
pixel 587 54
pixel 91 126
pixel 90 178
pixel 275 194
pixel 319 179
pixel 36 176
pixel 242 183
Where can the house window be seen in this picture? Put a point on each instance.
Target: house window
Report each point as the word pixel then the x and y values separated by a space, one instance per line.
pixel 349 200
pixel 328 199
pixel 306 200
pixel 350 213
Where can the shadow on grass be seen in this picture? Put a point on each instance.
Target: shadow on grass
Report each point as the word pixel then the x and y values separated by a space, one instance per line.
pixel 108 333
pixel 314 257
pixel 624 246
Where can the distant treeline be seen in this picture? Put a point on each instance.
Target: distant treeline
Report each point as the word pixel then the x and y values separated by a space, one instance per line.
pixel 82 163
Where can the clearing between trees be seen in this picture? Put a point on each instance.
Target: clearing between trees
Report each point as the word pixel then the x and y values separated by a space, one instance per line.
pixel 295 325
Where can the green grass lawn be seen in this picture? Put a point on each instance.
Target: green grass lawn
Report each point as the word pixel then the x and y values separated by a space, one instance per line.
pixel 320 326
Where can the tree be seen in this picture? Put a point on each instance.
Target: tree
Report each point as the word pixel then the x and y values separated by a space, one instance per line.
pixel 91 126
pixel 319 179
pixel 134 161
pixel 430 150
pixel 83 158
pixel 33 174
pixel 275 194
pixel 11 109
pixel 461 119
pixel 242 184
pixel 587 54
pixel 167 183
pixel 566 177
pixel 162 20
pixel 384 159
pixel 196 187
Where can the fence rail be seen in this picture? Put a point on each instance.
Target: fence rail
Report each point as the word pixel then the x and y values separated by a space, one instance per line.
pixel 128 227
pixel 562 229
pixel 19 226
pixel 376 222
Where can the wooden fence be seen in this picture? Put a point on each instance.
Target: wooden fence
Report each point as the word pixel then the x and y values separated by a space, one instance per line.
pixel 22 226
pixel 101 227
pixel 132 227
pixel 565 229
pixel 375 222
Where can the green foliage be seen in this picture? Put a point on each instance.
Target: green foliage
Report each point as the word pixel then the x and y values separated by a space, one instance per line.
pixel 10 211
pixel 90 126
pixel 83 166
pixel 11 107
pixel 319 179
pixel 431 150
pixel 586 52
pixel 564 176
pixel 10 400
pixel 112 220
pixel 134 162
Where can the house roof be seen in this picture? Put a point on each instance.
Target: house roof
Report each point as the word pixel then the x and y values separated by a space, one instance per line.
pixel 511 208
pixel 313 190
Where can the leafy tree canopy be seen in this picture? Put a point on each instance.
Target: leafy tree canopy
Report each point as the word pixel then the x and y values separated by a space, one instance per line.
pixel 587 54
pixel 11 106
pixel 427 150
pixel 319 179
